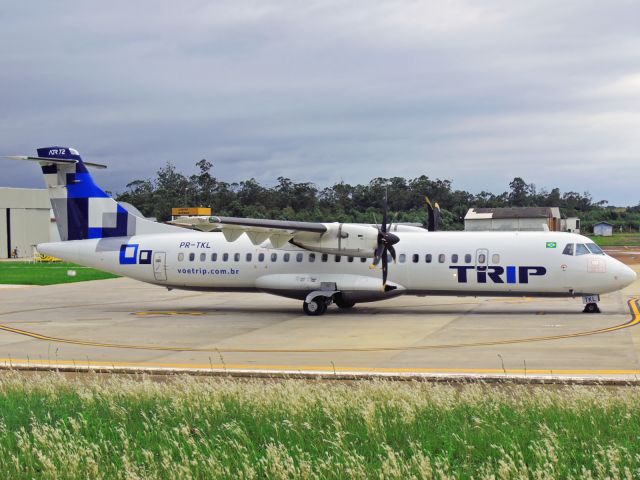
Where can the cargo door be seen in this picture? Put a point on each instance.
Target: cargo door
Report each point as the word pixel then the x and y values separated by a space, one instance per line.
pixel 160 266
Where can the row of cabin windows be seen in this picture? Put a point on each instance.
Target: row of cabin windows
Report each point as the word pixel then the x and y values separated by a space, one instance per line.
pixel 455 258
pixel 299 257
pixel 286 257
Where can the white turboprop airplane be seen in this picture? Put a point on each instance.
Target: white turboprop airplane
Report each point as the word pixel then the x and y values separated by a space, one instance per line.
pixel 319 263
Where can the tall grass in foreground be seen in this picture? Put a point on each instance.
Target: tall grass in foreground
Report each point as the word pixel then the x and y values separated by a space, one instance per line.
pixel 119 427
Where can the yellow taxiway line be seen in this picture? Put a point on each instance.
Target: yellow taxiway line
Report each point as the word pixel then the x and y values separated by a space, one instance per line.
pixel 293 369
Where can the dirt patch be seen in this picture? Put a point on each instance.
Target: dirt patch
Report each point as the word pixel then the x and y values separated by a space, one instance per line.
pixel 628 255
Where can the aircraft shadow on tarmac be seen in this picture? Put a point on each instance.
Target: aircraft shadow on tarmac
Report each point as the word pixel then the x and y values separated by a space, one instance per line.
pixel 364 311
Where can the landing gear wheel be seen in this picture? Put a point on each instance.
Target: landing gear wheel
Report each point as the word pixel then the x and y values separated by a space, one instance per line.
pixel 591 308
pixel 317 306
pixel 344 304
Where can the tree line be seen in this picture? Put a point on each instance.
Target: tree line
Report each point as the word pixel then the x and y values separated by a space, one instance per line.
pixel 343 202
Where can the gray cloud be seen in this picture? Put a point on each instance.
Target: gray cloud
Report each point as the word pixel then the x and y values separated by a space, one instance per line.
pixel 323 91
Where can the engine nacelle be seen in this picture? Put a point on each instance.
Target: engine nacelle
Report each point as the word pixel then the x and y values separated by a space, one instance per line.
pixel 342 239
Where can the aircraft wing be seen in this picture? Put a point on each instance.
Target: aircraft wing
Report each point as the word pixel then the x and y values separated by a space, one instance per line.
pixel 279 232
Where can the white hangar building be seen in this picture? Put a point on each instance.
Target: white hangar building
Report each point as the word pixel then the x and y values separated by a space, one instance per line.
pixel 25 220
pixel 513 218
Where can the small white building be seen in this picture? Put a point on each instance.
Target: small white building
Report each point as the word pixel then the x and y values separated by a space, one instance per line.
pixel 604 229
pixel 570 224
pixel 25 220
pixel 513 218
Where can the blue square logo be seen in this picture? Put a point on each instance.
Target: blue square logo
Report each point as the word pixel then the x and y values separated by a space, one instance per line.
pixel 129 254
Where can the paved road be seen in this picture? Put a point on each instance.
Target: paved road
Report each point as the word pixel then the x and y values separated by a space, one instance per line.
pixel 124 322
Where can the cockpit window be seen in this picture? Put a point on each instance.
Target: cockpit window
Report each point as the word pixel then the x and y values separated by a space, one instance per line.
pixel 595 249
pixel 568 250
pixel 581 249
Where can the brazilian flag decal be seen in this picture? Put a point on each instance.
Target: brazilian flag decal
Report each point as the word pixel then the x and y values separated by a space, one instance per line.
pixel 551 245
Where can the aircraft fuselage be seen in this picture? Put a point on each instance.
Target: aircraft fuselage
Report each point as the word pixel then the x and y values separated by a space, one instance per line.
pixel 429 263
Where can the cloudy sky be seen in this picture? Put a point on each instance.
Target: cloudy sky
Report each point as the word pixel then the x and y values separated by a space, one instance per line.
pixel 323 91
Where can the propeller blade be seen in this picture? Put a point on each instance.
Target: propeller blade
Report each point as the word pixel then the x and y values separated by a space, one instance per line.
pixel 385 268
pixel 385 219
pixel 392 251
pixel 377 255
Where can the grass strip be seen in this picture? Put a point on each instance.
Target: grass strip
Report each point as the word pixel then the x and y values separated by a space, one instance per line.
pixel 26 273
pixel 188 427
pixel 618 240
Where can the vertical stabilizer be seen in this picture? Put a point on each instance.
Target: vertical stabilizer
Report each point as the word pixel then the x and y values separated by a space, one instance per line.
pixel 82 209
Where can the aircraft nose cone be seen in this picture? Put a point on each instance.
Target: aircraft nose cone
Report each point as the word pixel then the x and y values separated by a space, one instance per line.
pixel 627 275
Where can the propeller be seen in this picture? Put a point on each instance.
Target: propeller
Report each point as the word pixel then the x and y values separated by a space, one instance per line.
pixel 385 243
pixel 433 215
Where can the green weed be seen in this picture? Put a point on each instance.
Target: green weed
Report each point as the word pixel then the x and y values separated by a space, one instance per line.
pixel 189 427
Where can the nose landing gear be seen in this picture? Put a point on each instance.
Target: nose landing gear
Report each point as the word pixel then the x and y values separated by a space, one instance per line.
pixel 591 308
pixel 591 303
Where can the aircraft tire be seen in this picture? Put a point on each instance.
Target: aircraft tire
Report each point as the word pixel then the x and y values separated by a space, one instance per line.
pixel 344 304
pixel 591 308
pixel 315 307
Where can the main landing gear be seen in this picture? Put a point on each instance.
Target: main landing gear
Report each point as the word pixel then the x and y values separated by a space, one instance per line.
pixel 316 303
pixel 317 306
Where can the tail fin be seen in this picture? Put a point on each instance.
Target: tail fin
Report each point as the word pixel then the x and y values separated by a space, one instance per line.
pixel 82 209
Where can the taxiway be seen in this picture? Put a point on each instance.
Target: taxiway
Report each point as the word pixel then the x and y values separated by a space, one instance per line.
pixel 124 323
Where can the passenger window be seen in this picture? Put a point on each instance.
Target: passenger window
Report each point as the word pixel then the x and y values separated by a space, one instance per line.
pixel 454 258
pixel 338 258
pixel 325 257
pixel 428 257
pixel 350 259
pixel 286 257
pixel 192 257
pixel 261 257
pixel 214 257
pixel 403 258
pixel 389 258
pixel 225 257
pixel 236 257
pixel 274 257
pixel 299 257
pixel 203 257
pixel 482 258
pixel 415 258
pixel 595 249
pixel 180 256
pixel 581 249
pixel 248 257
pixel 467 258
pixel 495 258
pixel 363 259
pixel 312 257
pixel 568 250
pixel 441 258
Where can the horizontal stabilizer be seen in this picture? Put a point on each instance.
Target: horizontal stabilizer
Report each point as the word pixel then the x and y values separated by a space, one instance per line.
pixel 57 161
